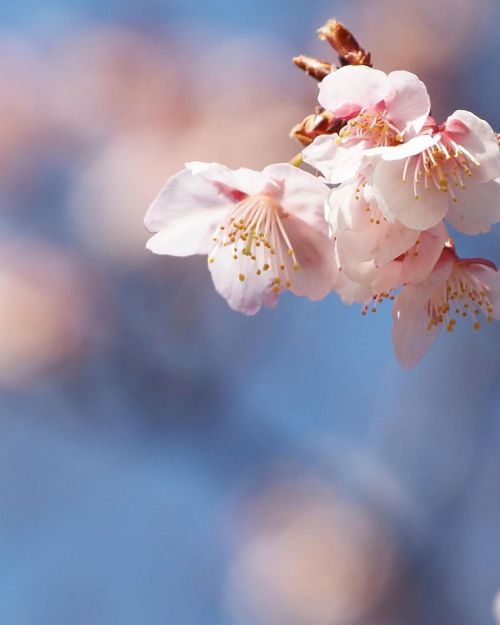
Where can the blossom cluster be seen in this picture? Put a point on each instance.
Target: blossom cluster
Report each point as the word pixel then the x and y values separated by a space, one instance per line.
pixel 371 223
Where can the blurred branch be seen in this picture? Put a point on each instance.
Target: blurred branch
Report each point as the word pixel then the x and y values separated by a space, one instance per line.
pixel 314 67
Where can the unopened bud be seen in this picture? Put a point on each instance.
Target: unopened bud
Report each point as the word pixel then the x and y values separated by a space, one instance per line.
pixel 344 42
pixel 319 123
pixel 314 67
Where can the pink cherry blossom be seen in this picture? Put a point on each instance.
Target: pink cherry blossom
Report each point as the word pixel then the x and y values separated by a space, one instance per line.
pixel 263 232
pixel 380 110
pixel 451 171
pixel 373 252
pixel 456 288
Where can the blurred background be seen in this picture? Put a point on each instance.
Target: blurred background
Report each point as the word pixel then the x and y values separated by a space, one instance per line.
pixel 164 460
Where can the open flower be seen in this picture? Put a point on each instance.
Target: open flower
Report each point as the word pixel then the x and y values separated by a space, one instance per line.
pixel 456 288
pixel 380 110
pixel 450 171
pixel 263 232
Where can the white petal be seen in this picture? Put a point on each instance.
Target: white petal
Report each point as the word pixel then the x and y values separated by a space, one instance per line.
pixel 477 208
pixel 254 182
pixel 397 198
pixel 337 162
pixel 186 214
pixel 408 104
pixel 248 295
pixel 481 142
pixel 300 193
pixel 346 208
pixel 404 150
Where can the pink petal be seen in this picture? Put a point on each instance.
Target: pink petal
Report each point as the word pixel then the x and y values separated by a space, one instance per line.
pixel 491 279
pixel 351 292
pixel 362 273
pixel 411 335
pixel 408 103
pixel 381 243
pixel 315 253
pixel 418 267
pixel 186 213
pixel 352 88
pixel 387 278
pixel 415 266
pixel 393 240
pixel 397 199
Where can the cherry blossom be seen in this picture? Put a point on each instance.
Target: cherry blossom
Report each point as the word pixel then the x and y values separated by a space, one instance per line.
pixel 380 110
pixel 264 232
pixel 372 223
pixel 451 171
pixel 455 289
pixel 373 252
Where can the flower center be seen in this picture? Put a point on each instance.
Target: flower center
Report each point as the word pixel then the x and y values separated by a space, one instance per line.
pixel 465 296
pixel 372 127
pixel 254 229
pixel 444 166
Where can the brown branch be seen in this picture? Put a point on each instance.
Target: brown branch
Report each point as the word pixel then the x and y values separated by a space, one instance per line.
pixel 322 122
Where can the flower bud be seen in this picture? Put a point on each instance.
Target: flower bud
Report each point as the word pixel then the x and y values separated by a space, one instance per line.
pixel 343 41
pixel 314 67
pixel 319 123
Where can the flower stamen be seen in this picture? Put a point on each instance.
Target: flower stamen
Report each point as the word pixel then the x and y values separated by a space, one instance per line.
pixel 255 230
